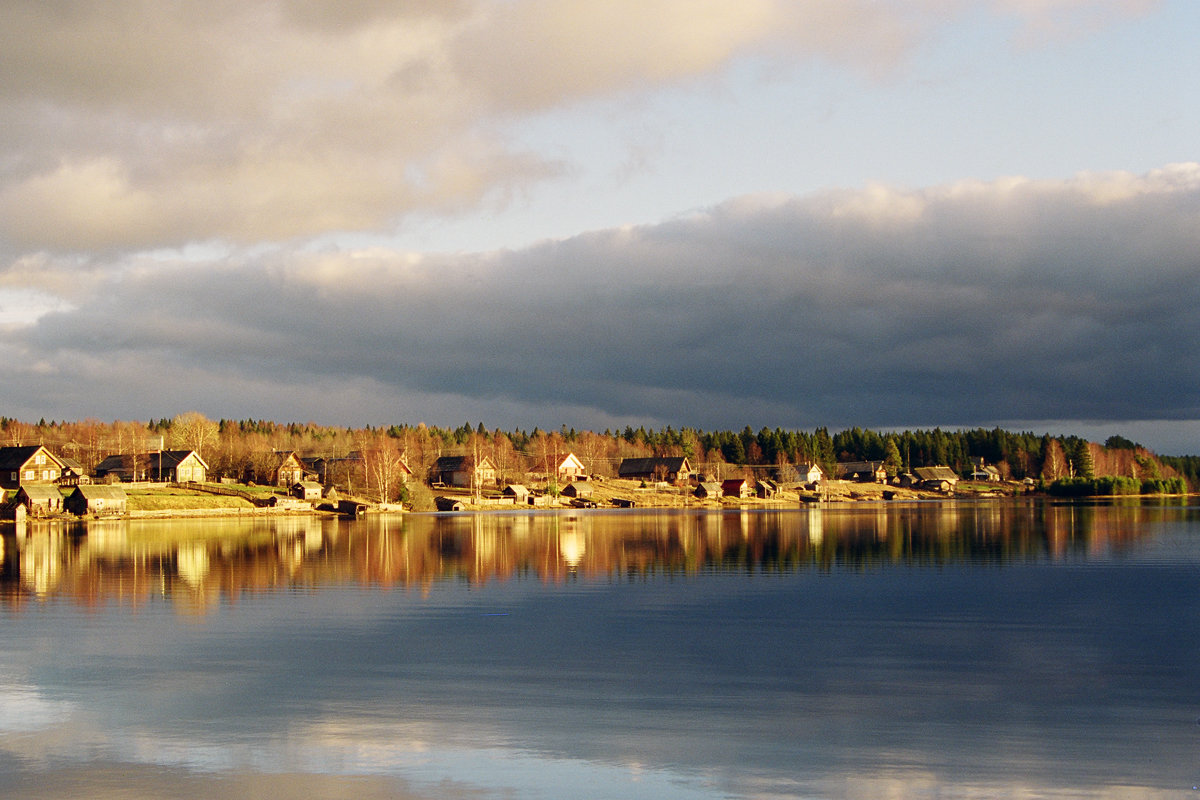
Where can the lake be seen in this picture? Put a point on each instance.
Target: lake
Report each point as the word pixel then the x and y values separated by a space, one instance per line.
pixel 1018 649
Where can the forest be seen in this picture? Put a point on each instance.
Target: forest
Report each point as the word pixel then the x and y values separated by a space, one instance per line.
pixel 241 448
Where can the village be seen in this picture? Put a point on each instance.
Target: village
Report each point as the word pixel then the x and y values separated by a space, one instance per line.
pixel 39 483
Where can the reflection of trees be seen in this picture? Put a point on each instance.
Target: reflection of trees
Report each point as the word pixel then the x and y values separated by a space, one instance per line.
pixel 196 564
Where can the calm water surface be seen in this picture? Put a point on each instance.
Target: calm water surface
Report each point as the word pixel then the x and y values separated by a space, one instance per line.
pixel 1006 649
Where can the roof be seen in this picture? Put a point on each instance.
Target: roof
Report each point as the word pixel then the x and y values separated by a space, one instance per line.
pixel 517 489
pixel 460 464
pixel 936 474
pixel 647 466
pixel 853 467
pixel 570 460
pixel 101 491
pixel 173 458
pixel 13 457
pixel 733 483
pixel 40 491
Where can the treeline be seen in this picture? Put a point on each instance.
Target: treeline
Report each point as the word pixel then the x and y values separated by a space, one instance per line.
pixel 238 447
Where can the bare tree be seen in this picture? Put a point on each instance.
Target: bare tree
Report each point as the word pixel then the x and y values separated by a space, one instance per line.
pixel 192 430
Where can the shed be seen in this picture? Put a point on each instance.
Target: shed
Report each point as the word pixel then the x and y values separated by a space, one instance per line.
pixel 39 499
pixel 735 487
pixel 97 499
pixel 306 490
pixel 518 492
pixel 581 491
pixel 708 490
pixel 766 489
pixel 447 503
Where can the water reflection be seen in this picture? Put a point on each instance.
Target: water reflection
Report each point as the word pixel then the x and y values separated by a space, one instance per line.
pixel 196 563
pixel 950 650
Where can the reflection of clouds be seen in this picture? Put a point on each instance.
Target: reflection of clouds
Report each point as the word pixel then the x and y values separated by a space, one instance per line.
pixel 23 708
pixel 419 761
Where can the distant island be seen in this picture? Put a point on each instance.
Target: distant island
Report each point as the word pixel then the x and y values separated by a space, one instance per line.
pixel 192 464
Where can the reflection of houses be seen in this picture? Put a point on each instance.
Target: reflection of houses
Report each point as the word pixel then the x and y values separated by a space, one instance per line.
pixel 736 487
pixel 663 468
pixel 97 500
pixel 458 471
pixel 39 499
pixel 939 479
pixel 570 469
pixel 28 464
pixel 862 471
pixel 809 472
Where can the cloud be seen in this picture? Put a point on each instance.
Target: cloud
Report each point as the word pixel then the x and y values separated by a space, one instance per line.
pixel 966 303
pixel 156 125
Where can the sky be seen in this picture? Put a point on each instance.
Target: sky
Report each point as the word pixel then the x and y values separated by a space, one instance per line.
pixel 542 213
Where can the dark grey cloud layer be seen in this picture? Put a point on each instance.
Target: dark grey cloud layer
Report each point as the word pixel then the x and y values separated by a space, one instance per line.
pixel 964 304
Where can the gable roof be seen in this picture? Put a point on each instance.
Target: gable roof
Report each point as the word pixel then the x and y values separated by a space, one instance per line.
pixel 570 460
pixel 100 491
pixel 647 466
pixel 14 457
pixel 169 459
pixel 460 464
pixel 935 474
pixel 40 491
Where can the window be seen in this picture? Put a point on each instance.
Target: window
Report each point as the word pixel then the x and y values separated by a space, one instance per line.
pixel 40 458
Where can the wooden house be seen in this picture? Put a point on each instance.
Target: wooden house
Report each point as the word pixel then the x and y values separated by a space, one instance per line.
pixel 39 499
pixel 447 504
pixel 862 471
pixel 580 490
pixel 163 466
pixel 982 471
pixel 736 487
pixel 289 469
pixel 765 489
pixel 28 464
pixel 306 490
pixel 458 471
pixel 177 466
pixel 570 468
pixel 809 472
pixel 518 492
pixel 73 473
pixel 707 490
pixel 98 500
pixel 938 479
pixel 671 469
pixel 121 467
